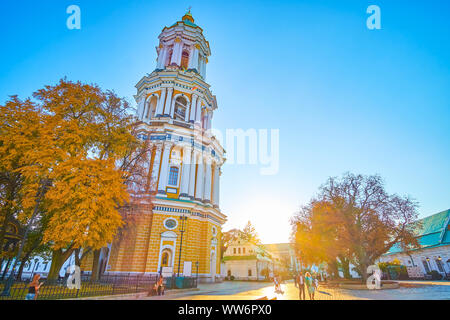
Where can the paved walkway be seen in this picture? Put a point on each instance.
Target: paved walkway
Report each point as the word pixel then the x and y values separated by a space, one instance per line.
pixel 241 290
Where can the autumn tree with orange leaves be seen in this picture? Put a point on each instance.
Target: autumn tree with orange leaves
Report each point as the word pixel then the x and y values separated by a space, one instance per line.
pixel 80 142
pixel 354 220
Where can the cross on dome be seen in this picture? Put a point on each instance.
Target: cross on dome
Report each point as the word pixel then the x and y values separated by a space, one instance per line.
pixel 188 16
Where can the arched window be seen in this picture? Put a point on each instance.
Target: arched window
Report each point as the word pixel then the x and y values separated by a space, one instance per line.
pixel 173 176
pixel 166 258
pixel 184 59
pixel 151 108
pixel 180 108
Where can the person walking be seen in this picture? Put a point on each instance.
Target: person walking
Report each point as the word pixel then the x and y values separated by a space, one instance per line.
pixel 33 288
pixel 300 284
pixel 310 285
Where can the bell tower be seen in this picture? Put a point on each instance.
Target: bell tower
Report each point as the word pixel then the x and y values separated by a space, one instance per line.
pixel 175 112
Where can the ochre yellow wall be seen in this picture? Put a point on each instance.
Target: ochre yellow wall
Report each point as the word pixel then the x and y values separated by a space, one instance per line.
pixel 138 250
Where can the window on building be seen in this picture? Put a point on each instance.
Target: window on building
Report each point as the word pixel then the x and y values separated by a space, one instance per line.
pixel 234 250
pixel 243 250
pixel 180 108
pixel 249 272
pixel 239 250
pixel 173 176
pixel 166 258
pixel 185 59
pixel 425 265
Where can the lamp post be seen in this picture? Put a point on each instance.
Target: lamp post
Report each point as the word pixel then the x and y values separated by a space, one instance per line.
pixel 183 220
pixel 196 281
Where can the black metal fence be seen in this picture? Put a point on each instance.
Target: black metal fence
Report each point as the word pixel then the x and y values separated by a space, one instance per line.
pixel 106 285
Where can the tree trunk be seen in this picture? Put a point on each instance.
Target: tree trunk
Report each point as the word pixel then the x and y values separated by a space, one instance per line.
pixel 363 270
pixel 334 271
pixel 58 259
pixel 345 263
pixel 95 266
pixel 22 265
pixel 3 229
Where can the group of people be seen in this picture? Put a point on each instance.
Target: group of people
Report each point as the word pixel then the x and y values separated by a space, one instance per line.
pixel 310 282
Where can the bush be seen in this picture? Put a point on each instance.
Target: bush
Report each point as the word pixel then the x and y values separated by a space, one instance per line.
pixel 232 278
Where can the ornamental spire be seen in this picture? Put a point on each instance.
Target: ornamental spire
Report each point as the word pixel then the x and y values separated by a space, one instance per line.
pixel 188 16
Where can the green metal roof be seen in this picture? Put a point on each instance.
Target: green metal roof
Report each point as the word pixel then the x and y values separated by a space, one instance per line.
pixel 431 231
pixel 434 223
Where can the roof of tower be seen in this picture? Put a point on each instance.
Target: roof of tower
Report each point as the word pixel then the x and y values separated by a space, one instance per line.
pixel 187 19
pixel 188 16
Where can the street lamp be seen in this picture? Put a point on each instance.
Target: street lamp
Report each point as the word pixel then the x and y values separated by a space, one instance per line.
pixel 196 264
pixel 183 220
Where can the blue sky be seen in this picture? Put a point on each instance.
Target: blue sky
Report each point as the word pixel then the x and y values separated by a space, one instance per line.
pixel 345 98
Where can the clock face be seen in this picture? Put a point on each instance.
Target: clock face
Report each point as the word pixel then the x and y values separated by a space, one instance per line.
pixel 170 223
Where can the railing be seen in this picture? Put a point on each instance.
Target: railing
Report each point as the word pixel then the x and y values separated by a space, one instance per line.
pixel 106 285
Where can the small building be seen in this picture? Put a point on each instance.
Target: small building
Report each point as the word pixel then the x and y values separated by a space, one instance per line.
pixel 248 261
pixel 243 261
pixel 433 234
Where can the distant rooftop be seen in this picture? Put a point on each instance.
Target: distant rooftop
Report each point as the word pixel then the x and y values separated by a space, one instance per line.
pixel 432 231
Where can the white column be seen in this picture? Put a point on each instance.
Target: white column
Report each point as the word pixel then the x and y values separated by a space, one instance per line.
pixel 202 67
pixel 140 109
pixel 161 100
pixel 168 101
pixel 188 110
pixel 146 109
pixel 186 172
pixel 193 108
pixel 208 178
pixel 176 55
pixel 163 175
pixel 216 185
pixel 172 109
pixel 155 169
pixel 210 120
pixel 200 182
pixel 198 111
pixel 192 175
pixel 193 61
pixel 161 58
